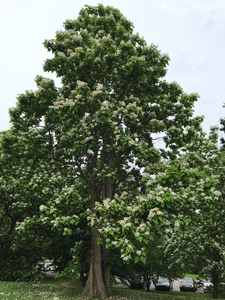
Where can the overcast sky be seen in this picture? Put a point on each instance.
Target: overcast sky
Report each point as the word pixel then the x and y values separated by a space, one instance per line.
pixel 192 32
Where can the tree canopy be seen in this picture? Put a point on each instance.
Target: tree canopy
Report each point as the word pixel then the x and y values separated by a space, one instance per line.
pixel 91 142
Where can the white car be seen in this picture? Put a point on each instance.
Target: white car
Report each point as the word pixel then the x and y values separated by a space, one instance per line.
pixel 46 267
pixel 207 285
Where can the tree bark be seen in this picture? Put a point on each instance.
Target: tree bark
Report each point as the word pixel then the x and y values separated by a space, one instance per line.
pixel 97 285
pixel 98 282
pixel 106 271
pixel 148 283
pixel 215 281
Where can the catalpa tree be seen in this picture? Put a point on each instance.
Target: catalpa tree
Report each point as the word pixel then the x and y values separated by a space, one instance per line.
pixel 18 253
pixel 94 137
pixel 21 198
pixel 203 242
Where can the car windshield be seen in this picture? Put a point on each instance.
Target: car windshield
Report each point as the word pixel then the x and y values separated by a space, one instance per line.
pixel 207 280
pixel 163 279
pixel 187 281
pixel 138 277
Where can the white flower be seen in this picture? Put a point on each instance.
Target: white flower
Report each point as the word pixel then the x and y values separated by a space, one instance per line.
pixel 100 86
pixel 61 54
pixel 97 92
pixel 217 193
pixel 81 83
pixel 142 57
pixel 176 224
pixel 42 207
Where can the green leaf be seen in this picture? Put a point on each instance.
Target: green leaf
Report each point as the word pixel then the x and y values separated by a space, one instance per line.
pixel 108 246
pixel 140 238
pixel 143 259
pixel 136 259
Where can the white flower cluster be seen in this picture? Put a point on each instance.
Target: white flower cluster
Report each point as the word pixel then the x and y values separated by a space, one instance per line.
pixel 77 37
pixel 20 226
pixel 61 54
pixel 141 227
pixel 81 83
pixel 153 212
pixel 125 257
pixel 42 207
pixel 106 203
pixel 133 208
pixel 97 92
pixel 125 222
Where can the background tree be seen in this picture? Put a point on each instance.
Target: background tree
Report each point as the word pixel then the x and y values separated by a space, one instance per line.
pixel 93 138
pixel 202 241
pixel 157 264
pixel 20 251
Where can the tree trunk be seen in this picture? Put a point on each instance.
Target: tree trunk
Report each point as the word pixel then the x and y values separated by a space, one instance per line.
pixel 106 271
pixel 98 282
pixel 148 283
pixel 215 281
pixel 97 285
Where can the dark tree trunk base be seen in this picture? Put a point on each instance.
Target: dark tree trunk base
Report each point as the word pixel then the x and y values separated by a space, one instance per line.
pixel 97 285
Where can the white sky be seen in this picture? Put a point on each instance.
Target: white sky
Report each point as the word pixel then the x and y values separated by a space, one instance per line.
pixel 192 32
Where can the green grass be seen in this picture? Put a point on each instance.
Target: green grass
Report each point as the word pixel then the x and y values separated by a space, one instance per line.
pixel 53 291
pixel 154 295
pixel 191 276
pixel 34 291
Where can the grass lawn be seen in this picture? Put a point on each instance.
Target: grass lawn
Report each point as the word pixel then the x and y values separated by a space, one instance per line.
pixel 61 291
pixel 191 275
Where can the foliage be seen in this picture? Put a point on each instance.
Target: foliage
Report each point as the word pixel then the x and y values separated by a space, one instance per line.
pixel 18 253
pixel 157 264
pixel 20 199
pixel 91 140
pixel 180 188
pixel 203 242
pixel 100 129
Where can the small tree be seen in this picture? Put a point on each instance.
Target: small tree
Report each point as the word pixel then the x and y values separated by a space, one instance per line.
pixel 157 264
pixel 93 138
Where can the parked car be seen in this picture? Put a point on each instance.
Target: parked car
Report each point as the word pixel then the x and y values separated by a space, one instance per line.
pixel 164 284
pixel 46 267
pixel 137 282
pixel 188 285
pixel 207 285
